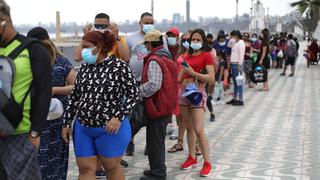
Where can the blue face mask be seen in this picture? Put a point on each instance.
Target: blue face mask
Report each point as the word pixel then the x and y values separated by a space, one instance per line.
pixel 172 41
pixel 148 27
pixel 254 39
pixel 88 57
pixel 186 44
pixel 196 46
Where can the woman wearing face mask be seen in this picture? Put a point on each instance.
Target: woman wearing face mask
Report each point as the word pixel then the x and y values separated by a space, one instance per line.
pixel 101 128
pixel 255 43
pixel 237 58
pixel 221 47
pixel 183 53
pixel 197 71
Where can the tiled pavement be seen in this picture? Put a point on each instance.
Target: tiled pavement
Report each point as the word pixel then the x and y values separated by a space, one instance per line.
pixel 274 136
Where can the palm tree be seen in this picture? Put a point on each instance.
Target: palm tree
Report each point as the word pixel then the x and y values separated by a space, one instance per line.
pixel 309 9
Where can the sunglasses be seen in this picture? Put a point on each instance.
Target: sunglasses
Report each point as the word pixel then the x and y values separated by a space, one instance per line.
pixel 101 26
pixel 185 40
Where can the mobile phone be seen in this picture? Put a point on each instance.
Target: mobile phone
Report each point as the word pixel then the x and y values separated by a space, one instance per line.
pixel 185 64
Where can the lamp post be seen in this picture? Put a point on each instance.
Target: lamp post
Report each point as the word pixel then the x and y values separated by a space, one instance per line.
pixel 152 4
pixel 237 10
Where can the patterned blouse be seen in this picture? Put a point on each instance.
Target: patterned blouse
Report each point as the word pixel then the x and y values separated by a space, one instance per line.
pixel 60 72
pixel 102 91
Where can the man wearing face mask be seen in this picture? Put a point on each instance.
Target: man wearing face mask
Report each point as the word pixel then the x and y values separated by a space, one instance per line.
pixel 32 80
pixel 101 24
pixel 138 51
pixel 158 88
pixel 173 39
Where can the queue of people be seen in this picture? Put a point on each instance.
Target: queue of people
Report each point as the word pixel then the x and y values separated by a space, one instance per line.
pixel 171 74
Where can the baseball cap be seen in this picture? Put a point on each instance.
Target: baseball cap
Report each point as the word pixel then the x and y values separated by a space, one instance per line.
pixel 192 93
pixel 174 31
pixel 152 36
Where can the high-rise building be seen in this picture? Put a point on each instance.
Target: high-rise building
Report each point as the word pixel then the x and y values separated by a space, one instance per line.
pixel 258 20
pixel 176 19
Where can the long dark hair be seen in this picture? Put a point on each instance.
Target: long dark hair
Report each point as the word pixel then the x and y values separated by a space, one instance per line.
pixel 265 39
pixel 236 33
pixel 205 45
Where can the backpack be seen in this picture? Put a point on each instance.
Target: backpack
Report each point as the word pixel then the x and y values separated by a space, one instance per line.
pixel 259 74
pixel 292 50
pixel 11 112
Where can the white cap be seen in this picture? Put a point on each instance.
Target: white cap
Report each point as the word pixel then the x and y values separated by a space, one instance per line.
pixel 55 110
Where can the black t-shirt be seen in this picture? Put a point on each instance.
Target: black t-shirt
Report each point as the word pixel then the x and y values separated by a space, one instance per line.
pixel 266 59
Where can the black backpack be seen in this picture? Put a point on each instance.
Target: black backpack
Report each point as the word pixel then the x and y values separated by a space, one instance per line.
pixel 11 112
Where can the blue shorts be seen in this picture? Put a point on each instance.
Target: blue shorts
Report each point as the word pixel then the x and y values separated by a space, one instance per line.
pixel 90 142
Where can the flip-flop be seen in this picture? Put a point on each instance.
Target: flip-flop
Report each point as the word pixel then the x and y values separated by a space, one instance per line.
pixel 198 151
pixel 175 148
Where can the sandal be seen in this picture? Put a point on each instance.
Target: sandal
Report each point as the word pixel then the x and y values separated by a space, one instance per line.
pixel 175 148
pixel 198 151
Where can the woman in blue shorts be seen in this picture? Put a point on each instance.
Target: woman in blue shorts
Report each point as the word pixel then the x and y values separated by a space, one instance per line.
pixel 104 94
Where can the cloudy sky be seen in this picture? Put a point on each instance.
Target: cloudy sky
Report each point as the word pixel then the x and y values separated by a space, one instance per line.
pixel 83 11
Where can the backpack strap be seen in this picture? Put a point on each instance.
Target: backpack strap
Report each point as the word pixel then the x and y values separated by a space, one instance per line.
pixel 24 44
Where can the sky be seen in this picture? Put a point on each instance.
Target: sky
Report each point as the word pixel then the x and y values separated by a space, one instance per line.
pixel 83 11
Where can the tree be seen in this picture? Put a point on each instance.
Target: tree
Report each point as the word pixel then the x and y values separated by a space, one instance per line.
pixel 309 9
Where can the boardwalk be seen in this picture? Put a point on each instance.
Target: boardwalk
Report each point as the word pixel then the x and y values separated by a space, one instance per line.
pixel 274 136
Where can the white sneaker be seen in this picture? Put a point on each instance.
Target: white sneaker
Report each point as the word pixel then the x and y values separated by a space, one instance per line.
pixel 174 135
pixel 221 103
pixel 170 129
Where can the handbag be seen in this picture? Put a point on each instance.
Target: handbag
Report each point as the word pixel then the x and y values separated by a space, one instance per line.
pixel 138 118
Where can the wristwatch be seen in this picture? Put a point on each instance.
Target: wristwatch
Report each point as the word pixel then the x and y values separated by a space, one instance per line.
pixel 34 134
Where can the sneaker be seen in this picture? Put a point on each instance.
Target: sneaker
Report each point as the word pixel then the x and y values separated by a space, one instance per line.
pixel 291 75
pixel 100 173
pixel 282 74
pixel 232 102
pixel 130 149
pixel 212 118
pixel 174 135
pixel 170 129
pixel 206 170
pixel 221 102
pixel 189 163
pixel 238 103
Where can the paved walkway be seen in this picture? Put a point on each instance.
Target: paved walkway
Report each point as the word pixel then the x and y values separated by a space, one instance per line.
pixel 274 136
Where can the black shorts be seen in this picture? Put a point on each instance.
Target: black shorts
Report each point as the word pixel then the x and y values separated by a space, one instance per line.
pixel 290 61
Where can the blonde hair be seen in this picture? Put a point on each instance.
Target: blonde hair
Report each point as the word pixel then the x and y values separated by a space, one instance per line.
pixel 54 52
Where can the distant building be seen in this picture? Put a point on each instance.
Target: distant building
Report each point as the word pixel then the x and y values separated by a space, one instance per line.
pixel 258 20
pixel 177 19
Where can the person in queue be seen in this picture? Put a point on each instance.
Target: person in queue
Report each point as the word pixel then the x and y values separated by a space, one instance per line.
pixel 101 129
pixel 198 70
pixel 54 152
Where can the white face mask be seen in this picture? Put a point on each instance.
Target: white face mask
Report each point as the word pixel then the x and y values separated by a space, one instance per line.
pixel 172 41
pixel 148 27
pixel 222 43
